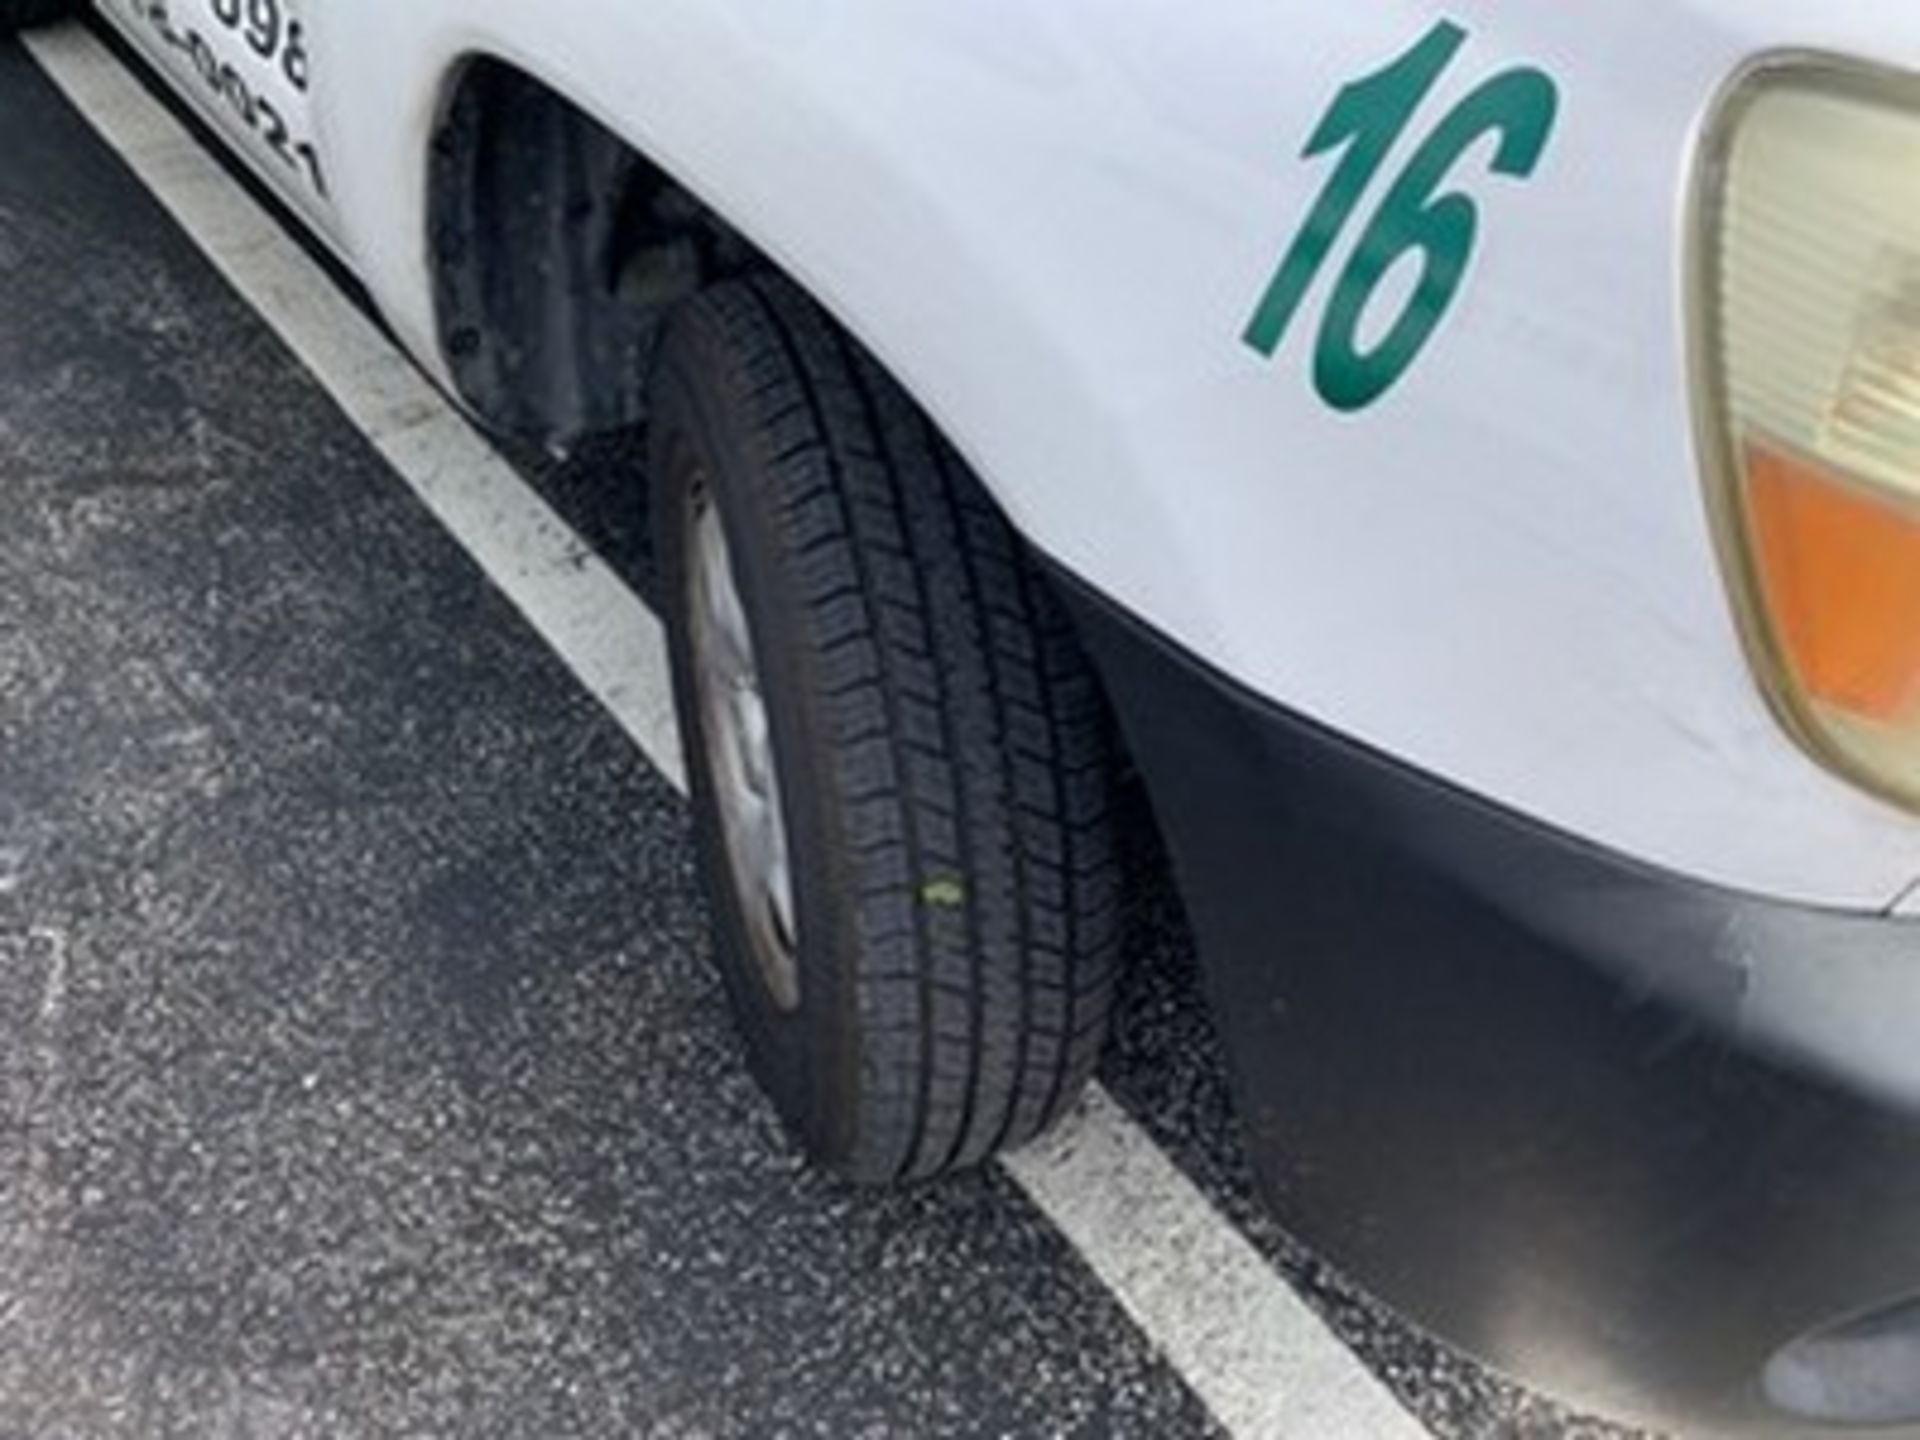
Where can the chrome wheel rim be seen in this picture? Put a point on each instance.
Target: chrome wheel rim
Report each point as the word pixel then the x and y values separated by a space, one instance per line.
pixel 740 761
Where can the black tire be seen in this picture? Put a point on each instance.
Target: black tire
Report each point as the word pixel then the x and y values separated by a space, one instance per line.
pixel 20 14
pixel 942 747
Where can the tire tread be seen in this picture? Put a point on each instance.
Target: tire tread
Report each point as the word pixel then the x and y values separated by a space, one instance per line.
pixel 969 740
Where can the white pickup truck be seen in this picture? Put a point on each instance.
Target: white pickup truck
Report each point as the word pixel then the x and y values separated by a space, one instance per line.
pixel 1472 449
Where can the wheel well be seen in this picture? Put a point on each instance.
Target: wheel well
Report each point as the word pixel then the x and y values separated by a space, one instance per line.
pixel 555 249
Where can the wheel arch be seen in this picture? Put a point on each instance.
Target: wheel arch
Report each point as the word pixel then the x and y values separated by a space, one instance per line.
pixel 554 247
pixel 532 324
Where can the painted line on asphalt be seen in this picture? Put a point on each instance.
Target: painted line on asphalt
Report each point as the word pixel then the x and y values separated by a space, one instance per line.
pixel 1263 1362
pixel 606 634
pixel 1254 1353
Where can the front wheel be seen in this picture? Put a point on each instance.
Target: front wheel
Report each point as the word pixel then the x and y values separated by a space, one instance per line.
pixel 899 757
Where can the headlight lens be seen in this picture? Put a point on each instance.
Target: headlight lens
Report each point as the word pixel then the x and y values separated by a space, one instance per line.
pixel 1811 344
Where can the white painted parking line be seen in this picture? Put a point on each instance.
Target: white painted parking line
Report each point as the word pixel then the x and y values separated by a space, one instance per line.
pixel 1249 1347
pixel 1260 1359
pixel 607 636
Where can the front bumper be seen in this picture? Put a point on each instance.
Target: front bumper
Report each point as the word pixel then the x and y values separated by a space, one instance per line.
pixel 1617 1134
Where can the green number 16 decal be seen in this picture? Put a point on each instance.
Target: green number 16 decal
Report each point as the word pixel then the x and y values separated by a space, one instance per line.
pixel 1417 216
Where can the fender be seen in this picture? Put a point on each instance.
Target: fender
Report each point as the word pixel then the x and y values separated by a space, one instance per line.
pixel 1053 226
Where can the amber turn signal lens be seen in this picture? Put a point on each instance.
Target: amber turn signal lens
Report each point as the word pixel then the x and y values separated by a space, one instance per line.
pixel 1839 569
pixel 1809 344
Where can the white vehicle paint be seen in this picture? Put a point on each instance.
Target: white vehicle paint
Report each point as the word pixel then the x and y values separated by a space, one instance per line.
pixel 246 68
pixel 1052 223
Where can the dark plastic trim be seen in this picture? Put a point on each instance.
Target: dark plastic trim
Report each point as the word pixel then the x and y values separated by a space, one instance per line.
pixel 1622 1135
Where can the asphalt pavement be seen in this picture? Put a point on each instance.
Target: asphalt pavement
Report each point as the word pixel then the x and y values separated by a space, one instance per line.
pixel 362 1071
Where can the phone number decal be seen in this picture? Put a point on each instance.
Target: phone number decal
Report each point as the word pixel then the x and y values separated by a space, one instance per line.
pixel 271 38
